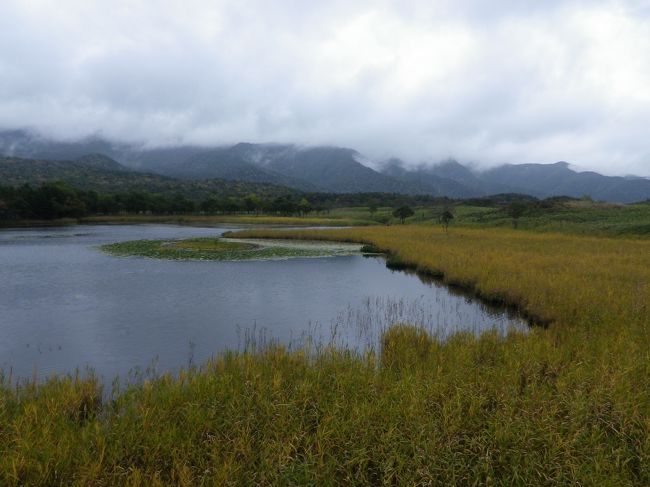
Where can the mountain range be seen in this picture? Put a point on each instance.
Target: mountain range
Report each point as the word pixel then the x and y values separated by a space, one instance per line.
pixel 328 169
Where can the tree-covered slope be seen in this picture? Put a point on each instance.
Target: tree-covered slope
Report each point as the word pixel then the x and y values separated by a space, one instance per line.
pixel 102 174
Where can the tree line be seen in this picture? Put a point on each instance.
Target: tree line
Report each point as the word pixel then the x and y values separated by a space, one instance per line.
pixel 53 200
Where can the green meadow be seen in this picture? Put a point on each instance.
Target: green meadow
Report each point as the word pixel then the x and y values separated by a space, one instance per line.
pixel 579 217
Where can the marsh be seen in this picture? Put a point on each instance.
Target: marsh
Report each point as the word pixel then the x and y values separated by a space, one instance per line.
pixel 65 305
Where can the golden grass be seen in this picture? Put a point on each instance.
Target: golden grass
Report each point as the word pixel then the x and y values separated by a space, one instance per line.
pixel 568 279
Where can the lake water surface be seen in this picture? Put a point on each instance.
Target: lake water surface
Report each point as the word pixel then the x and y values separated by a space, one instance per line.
pixel 64 305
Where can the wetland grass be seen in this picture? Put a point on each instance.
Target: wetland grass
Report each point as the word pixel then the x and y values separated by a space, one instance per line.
pixel 566 405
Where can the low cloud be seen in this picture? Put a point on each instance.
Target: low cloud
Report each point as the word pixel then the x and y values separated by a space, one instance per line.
pixel 422 80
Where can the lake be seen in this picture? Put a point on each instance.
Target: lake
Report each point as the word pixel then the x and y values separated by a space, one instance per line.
pixel 66 306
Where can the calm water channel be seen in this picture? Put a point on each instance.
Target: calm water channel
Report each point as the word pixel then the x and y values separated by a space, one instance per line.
pixel 64 305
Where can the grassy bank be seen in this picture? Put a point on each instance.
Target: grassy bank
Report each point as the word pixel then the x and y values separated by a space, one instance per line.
pixel 576 217
pixel 573 217
pixel 565 405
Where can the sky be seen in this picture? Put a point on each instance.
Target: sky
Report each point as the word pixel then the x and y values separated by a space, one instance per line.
pixel 487 83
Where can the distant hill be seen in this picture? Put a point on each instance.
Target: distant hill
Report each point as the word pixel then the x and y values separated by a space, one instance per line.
pixel 228 163
pixel 326 169
pixel 539 180
pixel 29 145
pixel 100 173
pixel 440 184
pixel 337 170
pixel 330 169
pixel 545 180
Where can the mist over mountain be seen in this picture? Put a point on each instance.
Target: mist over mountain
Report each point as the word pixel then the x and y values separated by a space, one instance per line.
pixel 226 163
pixel 338 170
pixel 325 169
pixel 448 178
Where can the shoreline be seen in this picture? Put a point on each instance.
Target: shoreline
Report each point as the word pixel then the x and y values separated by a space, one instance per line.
pixel 393 262
pixel 189 220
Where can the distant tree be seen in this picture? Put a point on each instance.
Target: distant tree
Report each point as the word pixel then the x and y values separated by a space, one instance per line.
pixel 252 203
pixel 137 202
pixel 211 205
pixel 373 205
pixel 179 204
pixel 4 209
pixel 403 212
pixel 108 204
pixel 383 219
pixel 56 200
pixel 233 205
pixel 445 219
pixel 283 205
pixel 304 206
pixel 516 209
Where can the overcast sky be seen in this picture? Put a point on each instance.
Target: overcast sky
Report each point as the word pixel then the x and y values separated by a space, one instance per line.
pixel 485 82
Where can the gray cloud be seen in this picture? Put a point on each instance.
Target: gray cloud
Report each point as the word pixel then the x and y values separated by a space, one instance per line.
pixel 513 81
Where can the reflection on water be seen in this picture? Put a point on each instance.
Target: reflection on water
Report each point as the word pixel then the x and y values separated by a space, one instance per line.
pixel 64 305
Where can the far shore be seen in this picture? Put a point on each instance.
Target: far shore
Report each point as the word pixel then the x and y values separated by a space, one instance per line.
pixel 197 220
